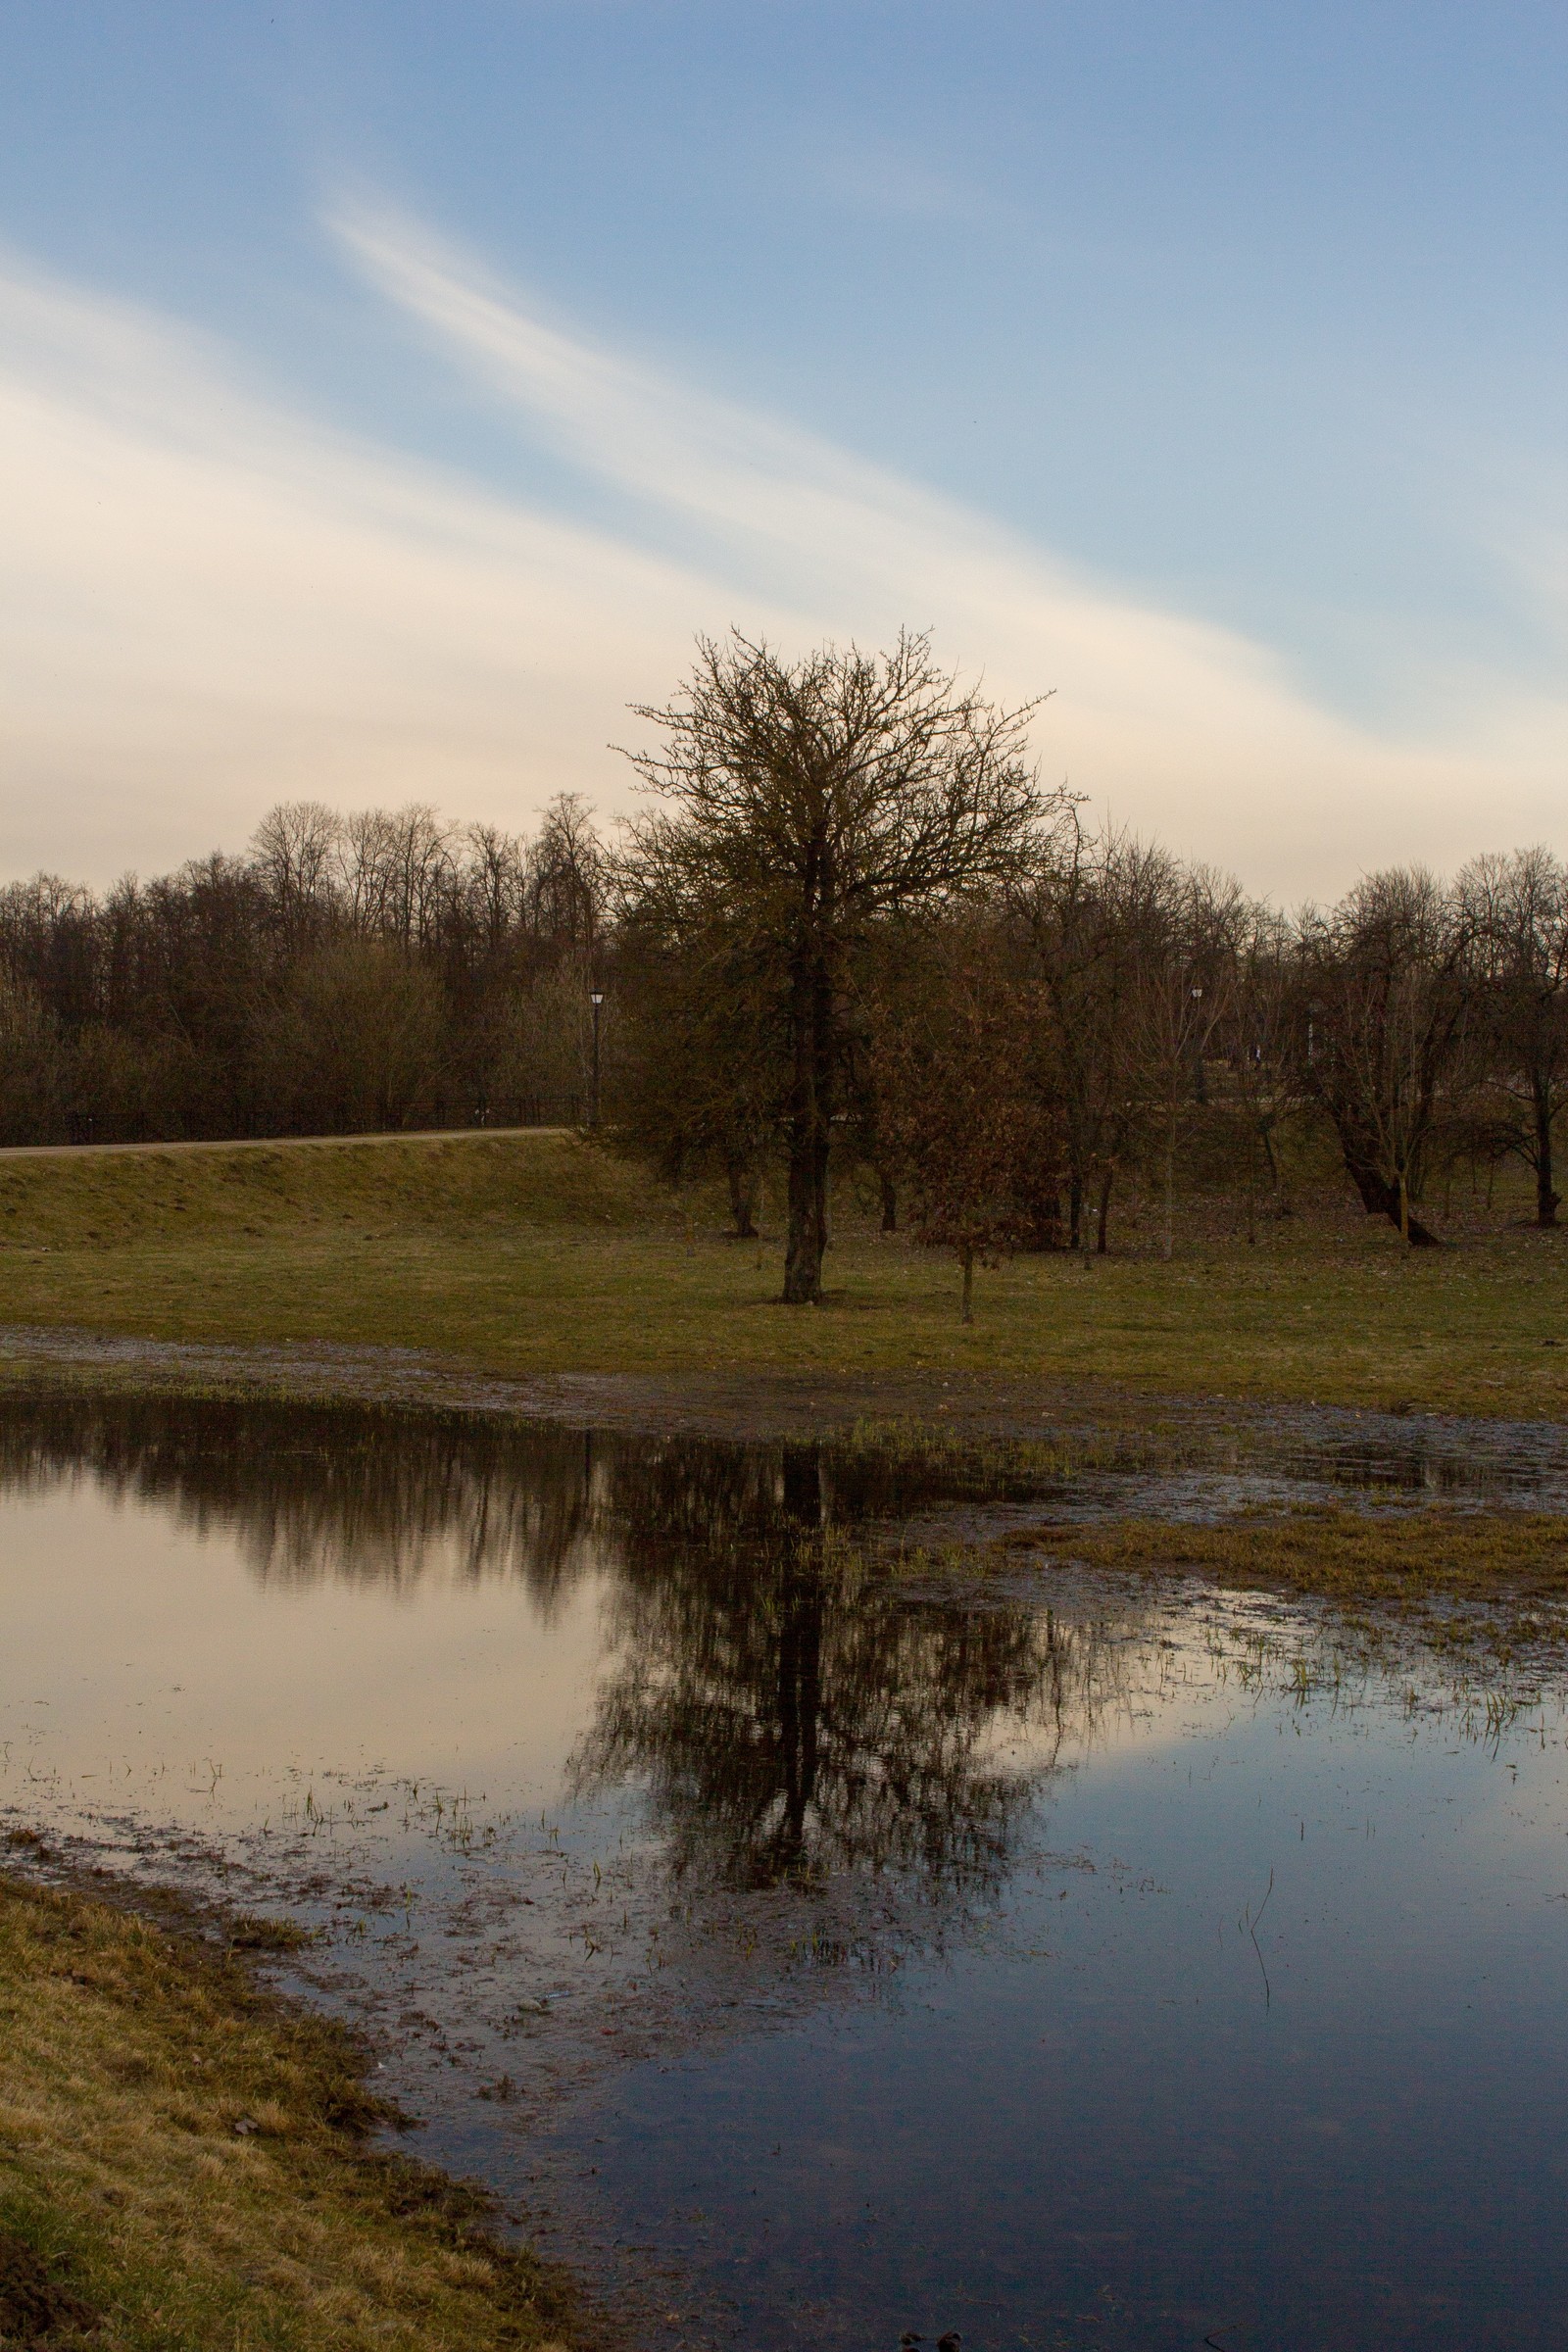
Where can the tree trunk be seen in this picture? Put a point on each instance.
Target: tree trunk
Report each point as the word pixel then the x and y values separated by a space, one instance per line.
pixel 1075 1205
pixel 802 1246
pixel 890 1201
pixel 742 1196
pixel 809 1131
pixel 1547 1202
pixel 798 1701
pixel 1045 1229
pixel 969 1286
pixel 1102 1219
pixel 1379 1198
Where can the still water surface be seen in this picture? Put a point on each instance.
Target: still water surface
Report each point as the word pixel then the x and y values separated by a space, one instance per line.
pixel 818 1955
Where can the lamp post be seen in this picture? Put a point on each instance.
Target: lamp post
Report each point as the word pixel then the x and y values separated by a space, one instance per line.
pixel 595 997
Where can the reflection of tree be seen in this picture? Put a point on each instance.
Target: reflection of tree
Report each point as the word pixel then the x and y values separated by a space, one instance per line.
pixel 385 1494
pixel 388 1495
pixel 793 1719
pixel 368 1494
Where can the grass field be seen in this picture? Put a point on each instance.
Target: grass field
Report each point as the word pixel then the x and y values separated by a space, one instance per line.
pixel 181 2168
pixel 540 1254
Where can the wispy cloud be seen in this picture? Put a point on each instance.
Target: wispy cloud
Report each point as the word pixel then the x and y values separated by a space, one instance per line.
pixel 209 601
pixel 1185 725
pixel 851 168
pixel 207 604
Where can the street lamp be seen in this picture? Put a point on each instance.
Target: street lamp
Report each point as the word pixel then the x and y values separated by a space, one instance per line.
pixel 595 997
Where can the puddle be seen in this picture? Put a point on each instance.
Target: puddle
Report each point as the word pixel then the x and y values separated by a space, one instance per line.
pixel 1076 1962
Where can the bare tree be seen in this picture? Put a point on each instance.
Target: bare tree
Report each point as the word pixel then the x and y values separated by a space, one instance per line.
pixel 295 851
pixel 353 1040
pixel 398 872
pixel 1085 921
pixel 32 1073
pixel 1263 1082
pixel 566 875
pixel 1387 992
pixel 964 1130
pixel 495 871
pixel 1516 910
pixel 1186 984
pixel 699 1084
pixel 804 801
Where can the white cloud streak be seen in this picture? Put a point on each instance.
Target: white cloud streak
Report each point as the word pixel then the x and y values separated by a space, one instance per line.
pixel 209 604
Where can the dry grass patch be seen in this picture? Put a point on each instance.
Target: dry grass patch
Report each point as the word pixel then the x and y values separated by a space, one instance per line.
pixel 182 2165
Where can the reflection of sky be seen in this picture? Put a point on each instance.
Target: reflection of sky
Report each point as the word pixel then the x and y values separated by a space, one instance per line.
pixel 1098 2098
pixel 158 1649
pixel 1104 2118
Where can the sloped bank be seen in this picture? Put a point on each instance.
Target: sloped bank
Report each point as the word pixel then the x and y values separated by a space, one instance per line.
pixel 184 2162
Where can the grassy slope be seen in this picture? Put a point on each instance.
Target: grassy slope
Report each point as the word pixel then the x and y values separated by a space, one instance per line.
pixel 542 1254
pixel 126 2058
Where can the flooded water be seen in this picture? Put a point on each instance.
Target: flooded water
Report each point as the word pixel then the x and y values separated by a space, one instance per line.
pixel 817 1955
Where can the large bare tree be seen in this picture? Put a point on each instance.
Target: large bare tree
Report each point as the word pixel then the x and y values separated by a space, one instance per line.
pixel 802 804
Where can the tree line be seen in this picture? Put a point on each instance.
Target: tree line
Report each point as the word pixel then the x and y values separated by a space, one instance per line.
pixel 380 971
pixel 849 932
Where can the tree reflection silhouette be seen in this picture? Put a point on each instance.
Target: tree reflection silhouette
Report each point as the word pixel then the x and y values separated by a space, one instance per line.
pixel 794 1718
pixel 793 1715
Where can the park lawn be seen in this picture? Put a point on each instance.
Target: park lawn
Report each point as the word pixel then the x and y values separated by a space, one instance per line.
pixel 543 1254
pixel 182 2167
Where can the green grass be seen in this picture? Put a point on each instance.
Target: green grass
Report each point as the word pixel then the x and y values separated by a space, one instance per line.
pixel 542 1254
pixel 464 1184
pixel 182 2168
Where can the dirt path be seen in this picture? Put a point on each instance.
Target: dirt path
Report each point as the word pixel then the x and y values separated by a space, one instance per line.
pixel 1421 1451
pixel 280 1142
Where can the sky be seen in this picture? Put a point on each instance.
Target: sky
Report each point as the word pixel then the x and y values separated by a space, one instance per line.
pixel 391 392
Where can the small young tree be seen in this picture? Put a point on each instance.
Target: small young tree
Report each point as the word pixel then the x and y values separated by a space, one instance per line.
pixel 959 1120
pixel 1186 967
pixel 1085 924
pixel 1263 1082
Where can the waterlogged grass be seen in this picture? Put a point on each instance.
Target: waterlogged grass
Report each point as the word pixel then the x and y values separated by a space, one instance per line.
pixel 541 1254
pixel 181 2165
pixel 1459 1577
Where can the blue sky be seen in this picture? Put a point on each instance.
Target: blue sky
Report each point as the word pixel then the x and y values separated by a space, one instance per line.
pixel 388 392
